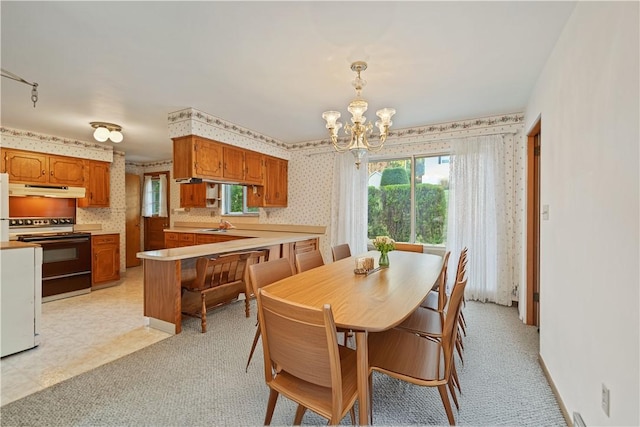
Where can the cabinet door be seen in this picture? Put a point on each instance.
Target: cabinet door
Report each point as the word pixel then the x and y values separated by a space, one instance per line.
pixel 106 258
pixel 187 239
pixel 253 168
pixel 26 167
pixel 193 195
pixel 276 182
pixel 208 158
pixel 171 240
pixel 66 171
pixel 97 184
pixel 233 164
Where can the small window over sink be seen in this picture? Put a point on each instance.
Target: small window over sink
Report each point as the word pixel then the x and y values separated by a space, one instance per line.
pixel 234 200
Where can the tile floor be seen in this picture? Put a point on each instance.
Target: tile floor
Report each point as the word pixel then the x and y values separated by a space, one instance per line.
pixel 79 334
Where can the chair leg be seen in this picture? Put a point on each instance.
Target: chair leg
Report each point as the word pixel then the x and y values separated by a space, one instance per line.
pixel 453 394
pixel 203 315
pixel 454 376
pixel 253 347
pixel 462 324
pixel 444 395
pixel 273 398
pixel 299 414
pixel 247 307
pixel 370 397
pixel 459 351
pixel 353 415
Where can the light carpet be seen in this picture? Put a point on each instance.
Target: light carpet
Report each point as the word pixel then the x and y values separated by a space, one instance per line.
pixel 195 379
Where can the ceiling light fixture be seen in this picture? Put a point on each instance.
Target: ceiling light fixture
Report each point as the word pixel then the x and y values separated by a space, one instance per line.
pixel 34 86
pixel 358 143
pixel 104 131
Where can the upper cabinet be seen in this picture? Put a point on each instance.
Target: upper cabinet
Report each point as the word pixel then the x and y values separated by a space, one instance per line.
pixel 233 163
pixel 200 195
pixel 254 168
pixel 274 192
pixel 196 157
pixel 38 168
pixel 96 181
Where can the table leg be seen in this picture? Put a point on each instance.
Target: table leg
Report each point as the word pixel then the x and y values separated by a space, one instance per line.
pixel 362 354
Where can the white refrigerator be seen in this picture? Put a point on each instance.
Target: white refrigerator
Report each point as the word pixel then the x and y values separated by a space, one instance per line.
pixel 4 207
pixel 20 286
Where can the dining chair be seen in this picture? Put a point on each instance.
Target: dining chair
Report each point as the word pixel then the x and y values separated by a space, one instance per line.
pixel 436 299
pixel 308 260
pixel 409 357
pixel 409 247
pixel 264 274
pixel 303 361
pixel 340 251
pixel 218 281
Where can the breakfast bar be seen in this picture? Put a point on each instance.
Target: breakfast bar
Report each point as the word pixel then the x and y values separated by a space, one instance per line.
pixel 165 270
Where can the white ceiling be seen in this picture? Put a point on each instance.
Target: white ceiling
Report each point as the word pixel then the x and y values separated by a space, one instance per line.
pixel 271 67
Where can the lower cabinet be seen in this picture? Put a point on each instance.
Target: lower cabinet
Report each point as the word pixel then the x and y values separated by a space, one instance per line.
pixel 105 258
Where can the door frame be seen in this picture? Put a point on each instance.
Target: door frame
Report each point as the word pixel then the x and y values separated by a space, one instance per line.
pixel 533 223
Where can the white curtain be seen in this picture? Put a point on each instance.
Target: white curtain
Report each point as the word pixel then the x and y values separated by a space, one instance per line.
pixel 162 196
pixel 478 218
pixel 147 197
pixel 349 204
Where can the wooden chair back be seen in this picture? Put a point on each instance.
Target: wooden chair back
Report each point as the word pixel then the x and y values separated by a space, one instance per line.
pixel 340 251
pixel 266 273
pixel 409 247
pixel 301 357
pixel 449 329
pixel 442 283
pixel 308 260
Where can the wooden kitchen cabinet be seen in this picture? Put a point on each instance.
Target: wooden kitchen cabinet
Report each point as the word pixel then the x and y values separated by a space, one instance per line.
pixel 274 192
pixel 105 258
pixel 200 195
pixel 196 157
pixel 97 179
pixel 178 240
pixel 254 168
pixel 39 168
pixel 233 163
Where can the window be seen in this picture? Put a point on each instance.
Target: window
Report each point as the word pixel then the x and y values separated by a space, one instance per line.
pixel 235 200
pixel 155 196
pixel 408 199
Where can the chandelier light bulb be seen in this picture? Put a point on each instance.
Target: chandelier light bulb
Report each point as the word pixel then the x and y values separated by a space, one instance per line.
pixel 101 134
pixel 116 136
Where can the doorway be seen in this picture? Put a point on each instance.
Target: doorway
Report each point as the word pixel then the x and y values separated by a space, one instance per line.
pixel 132 219
pixel 533 224
pixel 156 222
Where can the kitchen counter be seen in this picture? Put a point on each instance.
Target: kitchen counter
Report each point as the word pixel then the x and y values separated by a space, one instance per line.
pixel 166 269
pixel 14 244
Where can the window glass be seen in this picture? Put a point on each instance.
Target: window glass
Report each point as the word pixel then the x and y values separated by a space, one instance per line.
pixel 409 204
pixel 235 200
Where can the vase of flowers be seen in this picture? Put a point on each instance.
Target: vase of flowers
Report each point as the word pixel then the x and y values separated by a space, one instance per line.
pixel 384 244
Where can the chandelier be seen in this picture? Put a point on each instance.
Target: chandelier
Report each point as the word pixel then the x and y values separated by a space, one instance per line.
pixel 359 132
pixel 104 131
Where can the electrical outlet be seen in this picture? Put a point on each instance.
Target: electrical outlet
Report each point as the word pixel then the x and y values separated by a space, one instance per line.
pixel 605 399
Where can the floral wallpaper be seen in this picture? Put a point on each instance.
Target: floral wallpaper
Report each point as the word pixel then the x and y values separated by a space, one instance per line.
pixel 311 172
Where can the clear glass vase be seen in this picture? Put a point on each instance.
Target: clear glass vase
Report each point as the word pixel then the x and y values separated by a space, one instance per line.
pixel 384 259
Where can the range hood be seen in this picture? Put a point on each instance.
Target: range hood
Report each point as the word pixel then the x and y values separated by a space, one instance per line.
pixel 46 191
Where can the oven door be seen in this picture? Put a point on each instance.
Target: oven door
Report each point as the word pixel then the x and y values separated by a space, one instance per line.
pixel 66 266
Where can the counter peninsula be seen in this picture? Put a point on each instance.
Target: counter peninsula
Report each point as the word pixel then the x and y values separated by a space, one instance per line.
pixel 166 269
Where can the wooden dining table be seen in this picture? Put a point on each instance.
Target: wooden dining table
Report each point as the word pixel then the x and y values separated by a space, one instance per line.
pixel 364 303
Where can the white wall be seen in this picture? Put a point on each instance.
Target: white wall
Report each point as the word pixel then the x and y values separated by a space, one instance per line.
pixel 587 96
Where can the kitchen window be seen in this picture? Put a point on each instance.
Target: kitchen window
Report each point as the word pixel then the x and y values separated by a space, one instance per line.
pixel 408 198
pixel 235 200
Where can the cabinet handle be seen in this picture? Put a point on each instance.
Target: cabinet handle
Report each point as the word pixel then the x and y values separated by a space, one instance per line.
pixel 51 173
pixel 43 172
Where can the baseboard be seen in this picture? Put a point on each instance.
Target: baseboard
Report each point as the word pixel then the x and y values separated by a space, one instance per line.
pixel 563 408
